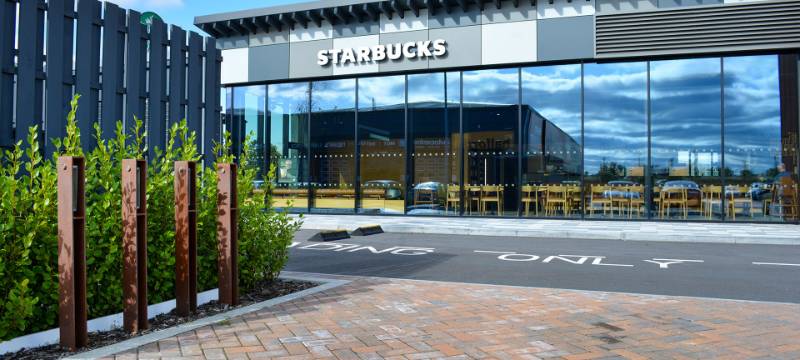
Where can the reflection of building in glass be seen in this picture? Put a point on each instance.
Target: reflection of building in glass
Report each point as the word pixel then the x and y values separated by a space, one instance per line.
pixel 549 150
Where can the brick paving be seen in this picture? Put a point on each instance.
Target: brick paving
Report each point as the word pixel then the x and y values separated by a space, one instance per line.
pixel 372 318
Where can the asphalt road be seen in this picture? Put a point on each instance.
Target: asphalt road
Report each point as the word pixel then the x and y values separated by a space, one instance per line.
pixel 745 272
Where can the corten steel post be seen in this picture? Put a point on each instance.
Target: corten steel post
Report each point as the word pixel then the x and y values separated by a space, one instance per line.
pixel 227 234
pixel 185 237
pixel 71 253
pixel 134 244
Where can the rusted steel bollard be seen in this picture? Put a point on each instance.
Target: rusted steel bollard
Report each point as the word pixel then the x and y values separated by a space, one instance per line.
pixel 72 253
pixel 185 237
pixel 227 234
pixel 134 245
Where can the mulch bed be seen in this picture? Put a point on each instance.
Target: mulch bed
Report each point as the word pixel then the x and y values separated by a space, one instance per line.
pixel 263 292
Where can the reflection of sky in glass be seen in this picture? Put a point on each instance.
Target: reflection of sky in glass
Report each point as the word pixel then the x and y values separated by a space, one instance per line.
pixel 381 91
pixel 251 99
pixel 333 95
pixel 685 97
pixel 752 113
pixel 497 86
pixel 285 100
pixel 615 115
pixel 426 88
pixel 555 93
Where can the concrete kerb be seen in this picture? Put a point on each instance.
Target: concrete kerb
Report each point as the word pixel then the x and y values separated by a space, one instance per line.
pixel 325 284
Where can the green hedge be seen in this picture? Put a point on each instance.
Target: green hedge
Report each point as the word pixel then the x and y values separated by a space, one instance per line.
pixel 28 224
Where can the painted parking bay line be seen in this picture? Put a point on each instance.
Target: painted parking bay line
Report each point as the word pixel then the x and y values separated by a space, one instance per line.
pixel 775 264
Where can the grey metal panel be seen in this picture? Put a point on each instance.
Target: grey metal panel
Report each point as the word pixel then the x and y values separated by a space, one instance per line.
pixel 525 11
pixel 684 3
pixel 177 75
pixel 355 29
pixel 270 38
pixel 612 6
pixel 194 86
pixel 303 59
pixel 268 62
pixel 211 111
pixel 312 5
pixel 565 38
pixel 112 70
pixel 234 42
pixel 402 37
pixel 157 122
pixel 8 20
pixel 745 26
pixel 59 70
pixel 463 46
pixel 30 66
pixel 456 17
pixel 136 71
pixel 87 68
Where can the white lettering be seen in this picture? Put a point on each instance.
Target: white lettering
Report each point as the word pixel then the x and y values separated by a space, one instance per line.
pixel 322 58
pixel 394 51
pixel 348 56
pixel 411 251
pixel 335 53
pixel 407 47
pixel 439 47
pixel 378 53
pixel 324 246
pixel 598 260
pixel 423 49
pixel 665 263
pixel 566 258
pixel 373 250
pixel 363 54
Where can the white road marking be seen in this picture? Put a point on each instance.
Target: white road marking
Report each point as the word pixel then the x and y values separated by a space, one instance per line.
pixel 776 264
pixel 665 263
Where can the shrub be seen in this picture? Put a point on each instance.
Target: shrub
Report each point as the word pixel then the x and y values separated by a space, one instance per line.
pixel 28 224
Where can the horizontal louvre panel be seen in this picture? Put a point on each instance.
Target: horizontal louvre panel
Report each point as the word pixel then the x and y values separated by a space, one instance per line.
pixel 753 26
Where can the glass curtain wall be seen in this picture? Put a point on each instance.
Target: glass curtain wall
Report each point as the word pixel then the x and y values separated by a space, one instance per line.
pixel 551 141
pixel 686 107
pixel 289 153
pixel 250 103
pixel 435 134
pixel 491 133
pixel 333 148
pixel 615 140
pixel 760 145
pixel 382 144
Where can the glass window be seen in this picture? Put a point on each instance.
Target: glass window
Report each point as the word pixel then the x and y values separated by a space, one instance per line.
pixel 551 141
pixel 381 140
pixel 434 127
pixel 333 147
pixel 615 140
pixel 491 132
pixel 249 116
pixel 760 143
pixel 288 114
pixel 686 138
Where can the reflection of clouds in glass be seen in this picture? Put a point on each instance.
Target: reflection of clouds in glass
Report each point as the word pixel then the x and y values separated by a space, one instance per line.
pixel 256 91
pixel 381 91
pixel 288 98
pixel 752 113
pixel 555 93
pixel 333 94
pixel 425 88
pixel 498 86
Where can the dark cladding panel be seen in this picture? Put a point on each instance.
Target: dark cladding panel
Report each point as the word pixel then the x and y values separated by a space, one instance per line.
pixel 194 112
pixel 8 19
pixel 156 127
pixel 59 70
pixel 177 74
pixel 136 70
pixel 30 66
pixel 113 68
pixel 87 68
pixel 211 118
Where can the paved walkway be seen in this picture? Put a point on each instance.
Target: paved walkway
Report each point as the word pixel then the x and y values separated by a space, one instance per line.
pixel 372 318
pixel 730 233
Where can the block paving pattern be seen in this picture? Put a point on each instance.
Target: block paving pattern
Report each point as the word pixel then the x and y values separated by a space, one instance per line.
pixel 372 318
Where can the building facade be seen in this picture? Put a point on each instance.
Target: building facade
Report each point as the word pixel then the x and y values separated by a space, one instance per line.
pixel 593 109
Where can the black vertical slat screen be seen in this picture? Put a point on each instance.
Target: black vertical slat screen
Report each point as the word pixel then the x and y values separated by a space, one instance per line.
pixel 112 68
pixel 36 86
pixel 194 85
pixel 177 74
pixel 136 70
pixel 158 84
pixel 211 131
pixel 8 19
pixel 60 15
pixel 30 68
pixel 87 69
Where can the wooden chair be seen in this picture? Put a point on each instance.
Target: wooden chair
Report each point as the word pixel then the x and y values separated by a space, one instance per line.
pixel 530 194
pixel 636 200
pixel 453 197
pixel 787 198
pixel 674 196
pixel 710 195
pixel 768 201
pixel 739 195
pixel 573 198
pixel 424 196
pixel 473 195
pixel 619 199
pixel 555 197
pixel 598 196
pixel 492 194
